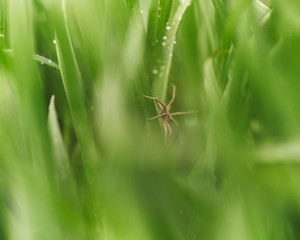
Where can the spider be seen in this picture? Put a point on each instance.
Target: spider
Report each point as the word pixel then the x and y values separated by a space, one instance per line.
pixel 165 112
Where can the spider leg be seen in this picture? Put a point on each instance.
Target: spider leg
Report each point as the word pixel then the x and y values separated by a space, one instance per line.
pixel 160 104
pixel 158 116
pixel 174 121
pixel 169 128
pixel 173 97
pixel 165 130
pixel 150 97
pixel 181 113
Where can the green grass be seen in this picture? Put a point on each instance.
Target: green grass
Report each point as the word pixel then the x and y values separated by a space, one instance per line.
pixel 79 160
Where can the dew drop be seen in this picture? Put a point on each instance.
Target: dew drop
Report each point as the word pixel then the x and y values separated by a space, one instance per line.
pixel 155 71
pixel 168 28
pixel 54 41
pixel 165 37
pixel 163 44
pixel 141 10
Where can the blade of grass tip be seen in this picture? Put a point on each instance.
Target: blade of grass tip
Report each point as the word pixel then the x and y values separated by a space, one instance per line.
pixel 72 82
pixel 60 153
pixel 262 11
pixel 42 60
pixel 45 61
pixel 160 82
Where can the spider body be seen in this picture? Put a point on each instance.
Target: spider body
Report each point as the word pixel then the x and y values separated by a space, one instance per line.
pixel 165 112
pixel 167 118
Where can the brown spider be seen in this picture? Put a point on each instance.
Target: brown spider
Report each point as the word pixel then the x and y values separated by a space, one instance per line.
pixel 165 112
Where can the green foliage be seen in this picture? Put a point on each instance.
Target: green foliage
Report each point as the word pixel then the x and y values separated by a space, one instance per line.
pixel 79 160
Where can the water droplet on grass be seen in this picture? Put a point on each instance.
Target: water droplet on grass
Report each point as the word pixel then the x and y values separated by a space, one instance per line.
pixel 155 71
pixel 54 41
pixel 165 37
pixel 168 28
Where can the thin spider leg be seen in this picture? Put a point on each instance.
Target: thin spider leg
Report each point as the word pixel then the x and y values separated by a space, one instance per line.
pixel 149 97
pixel 162 107
pixel 165 129
pixel 181 113
pixel 169 127
pixel 174 121
pixel 173 97
pixel 158 116
pixel 156 99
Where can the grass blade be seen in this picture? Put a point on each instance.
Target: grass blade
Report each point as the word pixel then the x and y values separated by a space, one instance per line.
pixel 2 23
pixel 165 38
pixel 60 153
pixel 262 11
pixel 221 10
pixel 72 82
pixel 45 61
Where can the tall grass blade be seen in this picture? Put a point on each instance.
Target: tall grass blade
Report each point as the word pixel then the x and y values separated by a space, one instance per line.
pixel 72 82
pixel 60 153
pixel 2 23
pixel 163 39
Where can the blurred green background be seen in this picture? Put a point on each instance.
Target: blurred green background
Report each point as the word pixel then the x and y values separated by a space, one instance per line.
pixel 79 160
